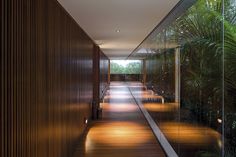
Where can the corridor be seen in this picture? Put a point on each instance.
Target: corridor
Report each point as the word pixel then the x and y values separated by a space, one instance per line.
pixel 122 131
pixel 118 78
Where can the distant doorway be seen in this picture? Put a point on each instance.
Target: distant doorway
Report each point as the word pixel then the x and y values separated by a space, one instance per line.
pixel 126 70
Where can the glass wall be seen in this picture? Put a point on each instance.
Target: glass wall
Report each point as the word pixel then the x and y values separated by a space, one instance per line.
pixel 192 64
pixel 229 110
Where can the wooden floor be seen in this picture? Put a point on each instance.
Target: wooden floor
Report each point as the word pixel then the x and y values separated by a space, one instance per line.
pixel 122 132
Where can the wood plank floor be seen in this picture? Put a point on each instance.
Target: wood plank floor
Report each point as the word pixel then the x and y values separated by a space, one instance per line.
pixel 122 132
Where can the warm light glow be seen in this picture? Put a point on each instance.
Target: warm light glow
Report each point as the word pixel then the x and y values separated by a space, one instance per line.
pixel 143 92
pixel 190 134
pixel 219 142
pixel 149 96
pixel 119 87
pixel 117 134
pixel 158 107
pixel 101 105
pixel 113 45
pixel 118 92
pixel 118 96
pixel 219 120
pixel 135 86
pixel 122 85
pixel 125 107
pixel 88 144
pixel 146 96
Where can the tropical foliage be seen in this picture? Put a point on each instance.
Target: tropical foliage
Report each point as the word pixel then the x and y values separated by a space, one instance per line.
pixel 206 35
pixel 208 42
pixel 161 73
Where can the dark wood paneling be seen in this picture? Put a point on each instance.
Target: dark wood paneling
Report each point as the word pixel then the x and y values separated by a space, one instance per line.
pixel 46 79
pixel 104 64
pixel 96 80
pixel 100 78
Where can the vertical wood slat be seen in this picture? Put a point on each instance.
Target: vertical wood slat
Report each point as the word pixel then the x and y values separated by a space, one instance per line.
pixel 46 79
pixel 104 64
pixel 1 84
pixel 109 72
pixel 100 78
pixel 96 80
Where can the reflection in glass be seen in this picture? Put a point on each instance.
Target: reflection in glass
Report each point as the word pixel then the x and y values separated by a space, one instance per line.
pixel 203 123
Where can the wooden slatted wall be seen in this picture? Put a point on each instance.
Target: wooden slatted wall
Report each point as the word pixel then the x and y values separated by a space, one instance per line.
pixel 104 63
pixel 46 79
pixel 100 78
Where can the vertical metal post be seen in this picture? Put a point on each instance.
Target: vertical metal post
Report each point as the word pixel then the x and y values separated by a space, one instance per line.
pixel 144 72
pixel 109 72
pixel 177 75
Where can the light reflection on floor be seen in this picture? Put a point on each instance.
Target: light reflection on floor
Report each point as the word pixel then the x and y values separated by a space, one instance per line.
pixel 159 107
pixel 118 134
pixel 143 92
pixel 122 131
pixel 148 96
pixel 118 96
pixel 186 137
pixel 111 92
pixel 119 107
pixel 180 132
pixel 186 133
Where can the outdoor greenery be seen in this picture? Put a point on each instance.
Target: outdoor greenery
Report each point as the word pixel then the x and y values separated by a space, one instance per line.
pixel 208 73
pixel 206 35
pixel 130 68
pixel 161 73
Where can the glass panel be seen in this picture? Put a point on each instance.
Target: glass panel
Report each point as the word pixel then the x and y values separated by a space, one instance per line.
pixel 192 65
pixel 230 77
pixel 200 32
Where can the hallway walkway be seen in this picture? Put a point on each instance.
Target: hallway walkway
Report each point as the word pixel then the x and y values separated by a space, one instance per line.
pixel 123 130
